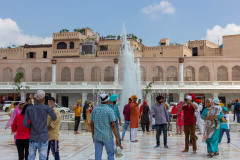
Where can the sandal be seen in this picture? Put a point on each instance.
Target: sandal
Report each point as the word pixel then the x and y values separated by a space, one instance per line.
pixel 210 155
pixel 217 153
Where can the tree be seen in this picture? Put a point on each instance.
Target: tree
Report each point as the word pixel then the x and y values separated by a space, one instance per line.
pixel 17 82
pixel 64 30
pixel 148 88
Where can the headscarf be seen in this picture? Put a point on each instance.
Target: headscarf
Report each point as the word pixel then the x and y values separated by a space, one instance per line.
pixel 11 106
pixel 129 100
pixel 85 107
pixel 79 101
pixel 174 110
pixel 15 113
pixel 141 107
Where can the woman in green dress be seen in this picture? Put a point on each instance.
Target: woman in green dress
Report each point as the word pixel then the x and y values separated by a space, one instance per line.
pixel 211 135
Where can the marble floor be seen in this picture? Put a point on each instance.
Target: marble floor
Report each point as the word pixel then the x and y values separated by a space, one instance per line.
pixel 80 147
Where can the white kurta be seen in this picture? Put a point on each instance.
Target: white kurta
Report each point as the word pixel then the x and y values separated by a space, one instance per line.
pixel 198 116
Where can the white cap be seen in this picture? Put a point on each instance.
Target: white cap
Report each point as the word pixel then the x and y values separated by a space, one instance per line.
pixel 40 94
pixel 104 97
pixel 189 97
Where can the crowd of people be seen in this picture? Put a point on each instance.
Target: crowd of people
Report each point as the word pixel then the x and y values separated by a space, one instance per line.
pixel 36 126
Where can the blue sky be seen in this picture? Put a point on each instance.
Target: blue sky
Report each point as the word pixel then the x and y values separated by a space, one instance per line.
pixel 151 20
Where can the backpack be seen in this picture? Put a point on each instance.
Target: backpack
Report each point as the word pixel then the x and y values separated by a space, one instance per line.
pixel 237 109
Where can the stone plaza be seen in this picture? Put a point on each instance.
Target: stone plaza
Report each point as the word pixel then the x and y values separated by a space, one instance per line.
pixel 81 147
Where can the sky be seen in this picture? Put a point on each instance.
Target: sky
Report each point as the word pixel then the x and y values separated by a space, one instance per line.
pixel 34 21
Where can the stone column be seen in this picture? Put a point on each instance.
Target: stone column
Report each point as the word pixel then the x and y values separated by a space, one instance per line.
pixel 181 96
pixel 180 60
pixel 23 96
pixel 116 69
pixel 215 95
pixel 54 63
pixel 84 97
pixel 149 100
pixel 53 94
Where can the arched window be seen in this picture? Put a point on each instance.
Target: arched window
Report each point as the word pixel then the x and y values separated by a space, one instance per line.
pixel 36 74
pixel 143 73
pixel 7 75
pixel 66 74
pixel 96 74
pixel 20 69
pixel 62 45
pixel 236 73
pixel 189 74
pixel 71 45
pixel 222 73
pixel 204 74
pixel 79 74
pixel 48 74
pixel 109 74
pixel 172 73
pixel 157 74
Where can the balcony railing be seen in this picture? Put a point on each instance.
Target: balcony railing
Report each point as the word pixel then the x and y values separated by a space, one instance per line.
pixel 66 53
pixel 112 85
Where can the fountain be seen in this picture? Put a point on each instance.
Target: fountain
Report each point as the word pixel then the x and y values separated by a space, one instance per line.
pixel 131 73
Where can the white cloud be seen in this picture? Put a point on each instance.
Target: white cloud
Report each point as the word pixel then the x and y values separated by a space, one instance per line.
pixel 217 32
pixel 10 34
pixel 164 7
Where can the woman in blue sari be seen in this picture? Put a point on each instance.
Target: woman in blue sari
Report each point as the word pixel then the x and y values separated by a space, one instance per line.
pixel 211 135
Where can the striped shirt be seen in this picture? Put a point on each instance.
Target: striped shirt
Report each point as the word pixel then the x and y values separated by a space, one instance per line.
pixel 115 110
pixel 38 118
pixel 102 116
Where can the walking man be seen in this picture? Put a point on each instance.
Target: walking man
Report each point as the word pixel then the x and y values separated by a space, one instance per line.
pixel 198 116
pixel 77 109
pixel 237 110
pixel 114 106
pixel 161 120
pixel 126 113
pixel 37 114
pixel 189 108
pixel 102 127
pixel 53 131
pixel 134 117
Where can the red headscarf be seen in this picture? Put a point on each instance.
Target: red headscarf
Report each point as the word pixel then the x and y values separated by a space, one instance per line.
pixel 141 108
pixel 194 98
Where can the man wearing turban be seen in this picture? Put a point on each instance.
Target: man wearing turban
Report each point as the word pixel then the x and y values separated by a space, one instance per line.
pixel 77 109
pixel 134 117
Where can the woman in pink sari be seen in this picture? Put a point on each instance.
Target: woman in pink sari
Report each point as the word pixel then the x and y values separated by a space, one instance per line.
pixel 180 121
pixel 15 113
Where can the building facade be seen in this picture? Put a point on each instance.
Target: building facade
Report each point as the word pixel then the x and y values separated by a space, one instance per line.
pixel 80 65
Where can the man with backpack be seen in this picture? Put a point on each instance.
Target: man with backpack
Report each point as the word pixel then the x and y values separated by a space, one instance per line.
pixel 237 110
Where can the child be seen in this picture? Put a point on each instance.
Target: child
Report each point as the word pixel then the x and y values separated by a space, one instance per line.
pixel 216 111
pixel 225 125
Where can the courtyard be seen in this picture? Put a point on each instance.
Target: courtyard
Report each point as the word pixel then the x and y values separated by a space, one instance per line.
pixel 81 147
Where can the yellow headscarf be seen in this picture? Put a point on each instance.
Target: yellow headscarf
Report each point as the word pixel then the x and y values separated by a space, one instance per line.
pixel 11 106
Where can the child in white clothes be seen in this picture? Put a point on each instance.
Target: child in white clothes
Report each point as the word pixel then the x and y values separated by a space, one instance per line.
pixel 216 111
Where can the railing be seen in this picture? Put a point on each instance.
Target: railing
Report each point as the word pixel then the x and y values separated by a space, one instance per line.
pixel 113 85
pixel 65 52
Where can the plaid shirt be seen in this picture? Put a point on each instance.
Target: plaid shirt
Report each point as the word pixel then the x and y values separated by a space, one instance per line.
pixel 116 110
pixel 102 116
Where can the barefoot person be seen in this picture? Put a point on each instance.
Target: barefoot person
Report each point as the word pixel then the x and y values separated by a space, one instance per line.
pixel 126 113
pixel 189 108
pixel 103 127
pixel 77 109
pixel 211 135
pixel 134 117
pixel 161 120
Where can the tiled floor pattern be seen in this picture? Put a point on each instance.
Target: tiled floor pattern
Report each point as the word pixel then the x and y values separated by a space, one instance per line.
pixel 80 147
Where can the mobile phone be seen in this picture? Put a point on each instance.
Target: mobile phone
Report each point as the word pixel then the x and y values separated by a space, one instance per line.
pixel 185 99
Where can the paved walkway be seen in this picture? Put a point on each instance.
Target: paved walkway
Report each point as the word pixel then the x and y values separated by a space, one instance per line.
pixel 80 147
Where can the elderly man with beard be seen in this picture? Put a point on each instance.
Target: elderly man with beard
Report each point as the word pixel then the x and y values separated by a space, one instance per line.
pixel 161 120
